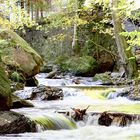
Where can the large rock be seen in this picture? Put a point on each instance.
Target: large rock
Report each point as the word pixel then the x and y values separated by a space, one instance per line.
pixel 79 66
pixel 47 93
pixel 19 54
pixel 5 91
pixel 13 123
pixel 105 62
pixel 119 119
pixel 17 102
pixel 105 78
pixel 41 92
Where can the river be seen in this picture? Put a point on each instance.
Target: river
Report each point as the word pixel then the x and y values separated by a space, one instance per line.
pixel 100 98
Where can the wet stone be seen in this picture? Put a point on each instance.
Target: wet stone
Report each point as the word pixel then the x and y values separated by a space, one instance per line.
pixel 14 123
pixel 119 119
pixel 47 93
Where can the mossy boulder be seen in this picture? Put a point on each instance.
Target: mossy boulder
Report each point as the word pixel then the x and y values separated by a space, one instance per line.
pixel 104 77
pixel 83 66
pixel 80 66
pixel 17 53
pixel 5 91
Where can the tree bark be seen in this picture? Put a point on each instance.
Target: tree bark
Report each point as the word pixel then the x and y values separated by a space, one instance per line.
pixel 41 12
pixel 75 26
pixel 128 65
pixel 28 7
pixel 32 11
pixel 22 4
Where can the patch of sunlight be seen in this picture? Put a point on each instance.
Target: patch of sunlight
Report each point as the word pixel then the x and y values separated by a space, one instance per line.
pixel 133 138
pixel 98 93
pixel 130 108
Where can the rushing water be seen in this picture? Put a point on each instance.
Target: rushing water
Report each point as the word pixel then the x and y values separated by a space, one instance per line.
pixel 79 96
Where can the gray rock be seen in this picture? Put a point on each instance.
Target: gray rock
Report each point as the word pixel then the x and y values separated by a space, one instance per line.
pixel 47 93
pixel 19 103
pixel 13 123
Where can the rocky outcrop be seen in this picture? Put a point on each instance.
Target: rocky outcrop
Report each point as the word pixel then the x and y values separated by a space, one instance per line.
pixel 119 119
pixel 14 123
pixel 46 93
pixel 5 91
pixel 40 93
pixel 105 62
pixel 19 55
pixel 105 78
pixel 52 74
pixel 106 118
pixel 80 66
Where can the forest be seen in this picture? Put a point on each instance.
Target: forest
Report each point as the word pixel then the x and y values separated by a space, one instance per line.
pixel 70 69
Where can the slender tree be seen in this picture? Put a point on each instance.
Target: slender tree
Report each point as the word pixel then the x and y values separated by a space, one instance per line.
pixel 125 55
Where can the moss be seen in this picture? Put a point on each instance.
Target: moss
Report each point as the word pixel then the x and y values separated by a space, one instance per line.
pixel 104 77
pixel 16 77
pixel 4 84
pixel 5 91
pixel 84 66
pixel 61 63
pixel 15 39
pixel 19 54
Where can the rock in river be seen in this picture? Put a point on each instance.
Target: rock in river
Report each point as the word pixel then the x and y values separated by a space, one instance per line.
pixel 47 93
pixel 13 123
pixel 19 103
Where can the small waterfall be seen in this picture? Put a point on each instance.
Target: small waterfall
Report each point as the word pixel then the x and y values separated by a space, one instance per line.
pixel 53 122
pixel 109 119
pixel 113 118
pixel 117 93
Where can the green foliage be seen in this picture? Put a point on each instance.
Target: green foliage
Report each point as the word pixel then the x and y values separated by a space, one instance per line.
pixel 61 62
pixel 14 17
pixel 11 39
pixel 5 84
pixel 133 38
pixel 85 65
pixel 16 77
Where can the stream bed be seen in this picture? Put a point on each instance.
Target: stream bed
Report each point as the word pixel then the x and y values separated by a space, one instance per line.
pixel 87 93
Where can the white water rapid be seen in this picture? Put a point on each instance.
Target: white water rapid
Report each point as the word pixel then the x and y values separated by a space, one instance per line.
pixel 80 96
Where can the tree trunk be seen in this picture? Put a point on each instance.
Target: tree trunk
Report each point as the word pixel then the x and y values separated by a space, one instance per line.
pixel 37 14
pixel 42 13
pixel 22 4
pixel 32 11
pixel 74 26
pixel 28 7
pixel 129 65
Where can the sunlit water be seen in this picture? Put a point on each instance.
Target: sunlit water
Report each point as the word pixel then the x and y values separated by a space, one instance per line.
pixel 81 98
